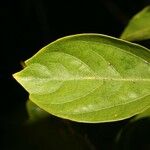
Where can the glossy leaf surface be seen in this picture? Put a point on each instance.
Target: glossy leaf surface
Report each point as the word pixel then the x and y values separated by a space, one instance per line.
pixel 89 78
pixel 138 27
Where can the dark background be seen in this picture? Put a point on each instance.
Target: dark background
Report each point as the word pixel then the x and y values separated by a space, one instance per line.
pixel 28 25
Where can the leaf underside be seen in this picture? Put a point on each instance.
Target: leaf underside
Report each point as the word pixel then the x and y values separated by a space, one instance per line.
pixel 89 78
pixel 138 27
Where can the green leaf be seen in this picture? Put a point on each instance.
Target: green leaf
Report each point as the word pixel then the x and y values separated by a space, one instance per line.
pixel 89 78
pixel 138 27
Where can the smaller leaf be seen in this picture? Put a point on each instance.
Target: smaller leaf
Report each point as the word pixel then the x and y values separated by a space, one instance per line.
pixel 134 135
pixel 35 113
pixel 138 27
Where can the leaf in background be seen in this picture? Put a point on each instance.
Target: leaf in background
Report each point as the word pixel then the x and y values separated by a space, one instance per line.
pixel 138 27
pixel 35 113
pixel 46 134
pixel 89 78
pixel 135 135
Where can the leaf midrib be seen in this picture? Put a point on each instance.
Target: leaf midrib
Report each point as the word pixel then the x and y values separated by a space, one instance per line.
pixel 89 78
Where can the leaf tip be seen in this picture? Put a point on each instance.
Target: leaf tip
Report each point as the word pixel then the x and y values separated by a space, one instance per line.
pixel 15 76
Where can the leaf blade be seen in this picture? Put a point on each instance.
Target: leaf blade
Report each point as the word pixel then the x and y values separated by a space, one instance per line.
pixel 95 72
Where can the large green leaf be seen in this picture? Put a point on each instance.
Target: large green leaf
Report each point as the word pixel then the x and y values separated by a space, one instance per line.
pixel 138 27
pixel 89 78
